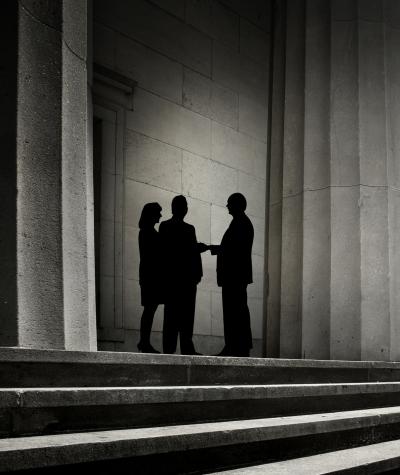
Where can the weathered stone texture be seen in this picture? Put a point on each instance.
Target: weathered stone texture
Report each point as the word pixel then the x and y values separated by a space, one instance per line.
pixel 345 274
pixel 253 118
pixel 215 20
pixel 153 162
pixel 144 65
pixel 254 42
pixel 54 281
pixel 291 277
pixel 8 174
pixel 157 29
pixel 198 127
pixel 334 175
pixel 169 123
pixel 75 27
pixel 44 11
pixel 74 194
pixel 316 203
pixel 224 106
pixel 175 7
pixel 40 306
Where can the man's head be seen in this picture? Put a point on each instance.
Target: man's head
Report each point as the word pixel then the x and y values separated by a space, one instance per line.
pixel 179 206
pixel 236 204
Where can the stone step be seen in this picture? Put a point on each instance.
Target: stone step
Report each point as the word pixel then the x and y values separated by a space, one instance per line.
pixel 52 410
pixel 368 459
pixel 45 368
pixel 200 447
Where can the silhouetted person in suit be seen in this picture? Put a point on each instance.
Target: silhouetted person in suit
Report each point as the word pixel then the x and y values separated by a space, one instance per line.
pixel 149 272
pixel 234 273
pixel 183 271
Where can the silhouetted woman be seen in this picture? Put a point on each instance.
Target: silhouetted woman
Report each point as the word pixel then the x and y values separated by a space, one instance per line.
pixel 149 272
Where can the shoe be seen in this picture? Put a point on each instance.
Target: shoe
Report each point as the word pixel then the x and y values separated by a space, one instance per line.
pixel 234 353
pixel 146 348
pixel 243 353
pixel 225 352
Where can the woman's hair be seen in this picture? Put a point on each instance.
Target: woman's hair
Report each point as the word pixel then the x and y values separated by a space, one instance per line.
pixel 148 212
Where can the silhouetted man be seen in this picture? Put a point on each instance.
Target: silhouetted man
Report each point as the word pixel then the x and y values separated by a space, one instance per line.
pixel 183 271
pixel 234 273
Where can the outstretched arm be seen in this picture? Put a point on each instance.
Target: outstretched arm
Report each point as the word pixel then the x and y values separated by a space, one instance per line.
pixel 201 247
pixel 214 249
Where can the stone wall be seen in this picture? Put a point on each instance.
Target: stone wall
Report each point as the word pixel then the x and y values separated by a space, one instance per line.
pixel 198 128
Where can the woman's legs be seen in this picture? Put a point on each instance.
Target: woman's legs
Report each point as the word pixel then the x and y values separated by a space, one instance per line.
pixel 146 323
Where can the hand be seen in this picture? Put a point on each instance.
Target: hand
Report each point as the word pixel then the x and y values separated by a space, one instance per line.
pixel 202 247
pixel 214 249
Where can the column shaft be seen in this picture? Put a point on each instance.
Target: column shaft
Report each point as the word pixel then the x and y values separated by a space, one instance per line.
pixel 345 299
pixel 45 178
pixel 340 259
pixel 39 254
pixel 292 207
pixel 375 315
pixel 316 224
pixel 8 173
pixel 275 189
pixel 391 15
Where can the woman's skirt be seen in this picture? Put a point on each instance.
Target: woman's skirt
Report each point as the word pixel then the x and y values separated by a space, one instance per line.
pixel 150 295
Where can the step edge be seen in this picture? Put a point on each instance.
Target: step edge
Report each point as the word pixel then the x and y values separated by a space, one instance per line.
pixel 29 355
pixel 175 438
pixel 55 397
pixel 285 467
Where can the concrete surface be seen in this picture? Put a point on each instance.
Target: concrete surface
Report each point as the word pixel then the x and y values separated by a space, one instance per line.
pixel 33 355
pixel 77 396
pixel 30 368
pixel 30 452
pixel 373 458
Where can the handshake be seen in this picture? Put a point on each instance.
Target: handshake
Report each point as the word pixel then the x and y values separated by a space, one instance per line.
pixel 214 249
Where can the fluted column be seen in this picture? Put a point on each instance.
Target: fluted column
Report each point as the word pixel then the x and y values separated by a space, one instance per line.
pixel 316 201
pixel 274 210
pixel 340 266
pixel 391 15
pixel 8 173
pixel 292 188
pixel 344 159
pixel 46 302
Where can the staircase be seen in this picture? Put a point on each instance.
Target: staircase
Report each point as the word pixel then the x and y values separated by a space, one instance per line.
pixel 163 414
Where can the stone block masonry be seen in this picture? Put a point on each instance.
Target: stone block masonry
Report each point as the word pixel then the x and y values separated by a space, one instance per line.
pixel 198 128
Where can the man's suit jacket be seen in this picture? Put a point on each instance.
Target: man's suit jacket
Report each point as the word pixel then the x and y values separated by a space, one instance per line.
pixel 234 254
pixel 181 257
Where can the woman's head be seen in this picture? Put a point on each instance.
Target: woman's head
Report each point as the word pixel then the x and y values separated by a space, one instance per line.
pixel 151 214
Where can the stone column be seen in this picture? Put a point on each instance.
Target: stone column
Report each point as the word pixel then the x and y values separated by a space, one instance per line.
pixel 8 172
pixel 47 265
pixel 392 100
pixel 274 210
pixel 292 183
pixel 77 178
pixel 340 262
pixel 345 270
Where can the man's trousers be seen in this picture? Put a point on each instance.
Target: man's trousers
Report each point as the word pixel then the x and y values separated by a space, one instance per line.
pixel 179 310
pixel 237 329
